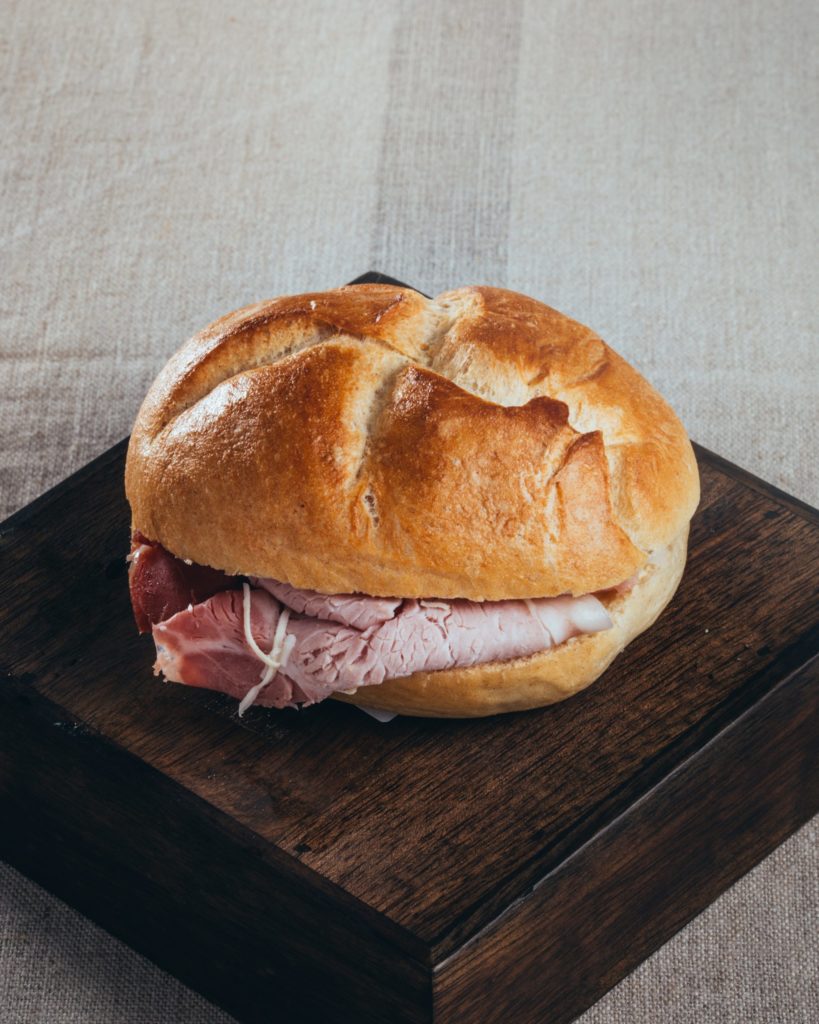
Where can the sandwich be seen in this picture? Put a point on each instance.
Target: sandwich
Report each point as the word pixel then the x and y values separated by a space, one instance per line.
pixel 448 507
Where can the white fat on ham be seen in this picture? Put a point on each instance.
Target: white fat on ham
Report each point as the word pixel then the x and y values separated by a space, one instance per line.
pixel 565 617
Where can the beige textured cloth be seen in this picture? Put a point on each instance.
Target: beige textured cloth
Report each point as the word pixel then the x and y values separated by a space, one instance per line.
pixel 648 167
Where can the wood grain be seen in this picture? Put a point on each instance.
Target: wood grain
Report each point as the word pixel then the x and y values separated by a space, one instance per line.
pixel 610 904
pixel 508 869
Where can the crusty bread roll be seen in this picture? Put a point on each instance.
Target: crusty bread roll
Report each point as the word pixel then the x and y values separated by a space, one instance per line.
pixel 478 445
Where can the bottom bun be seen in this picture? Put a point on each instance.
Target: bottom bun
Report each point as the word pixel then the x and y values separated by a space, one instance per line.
pixel 540 679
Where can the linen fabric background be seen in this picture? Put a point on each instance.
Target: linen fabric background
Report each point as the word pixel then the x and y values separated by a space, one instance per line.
pixel 649 168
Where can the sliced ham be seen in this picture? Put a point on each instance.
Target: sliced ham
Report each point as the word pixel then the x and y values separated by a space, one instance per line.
pixel 162 584
pixel 356 610
pixel 204 645
pixel 428 637
pixel 332 642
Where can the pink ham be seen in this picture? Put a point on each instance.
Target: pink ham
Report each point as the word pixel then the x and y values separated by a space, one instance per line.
pixel 340 642
pixel 356 610
pixel 432 636
pixel 204 645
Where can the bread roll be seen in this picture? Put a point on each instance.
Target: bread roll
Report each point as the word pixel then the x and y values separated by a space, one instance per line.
pixel 477 445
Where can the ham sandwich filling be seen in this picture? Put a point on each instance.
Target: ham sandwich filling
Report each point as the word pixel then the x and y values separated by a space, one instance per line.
pixel 268 643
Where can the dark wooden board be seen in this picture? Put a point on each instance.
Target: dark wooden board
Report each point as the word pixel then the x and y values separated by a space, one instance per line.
pixel 318 866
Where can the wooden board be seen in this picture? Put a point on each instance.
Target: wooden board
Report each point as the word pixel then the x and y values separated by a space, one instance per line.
pixel 317 866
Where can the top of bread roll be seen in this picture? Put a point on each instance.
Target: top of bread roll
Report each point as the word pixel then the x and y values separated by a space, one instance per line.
pixel 367 439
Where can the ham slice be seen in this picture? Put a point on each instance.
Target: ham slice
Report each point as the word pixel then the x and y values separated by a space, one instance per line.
pixel 332 643
pixel 162 584
pixel 356 610
pixel 204 645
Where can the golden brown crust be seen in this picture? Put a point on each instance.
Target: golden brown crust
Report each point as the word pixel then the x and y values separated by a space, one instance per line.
pixel 481 445
pixel 545 678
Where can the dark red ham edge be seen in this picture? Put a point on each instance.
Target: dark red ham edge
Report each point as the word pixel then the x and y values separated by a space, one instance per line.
pixel 162 585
